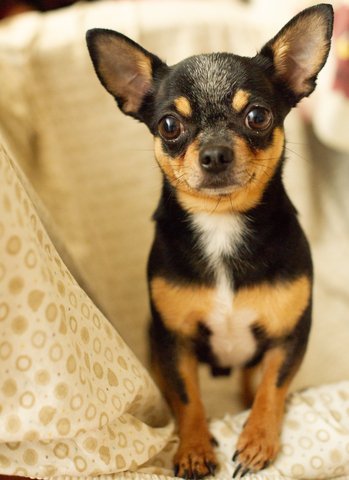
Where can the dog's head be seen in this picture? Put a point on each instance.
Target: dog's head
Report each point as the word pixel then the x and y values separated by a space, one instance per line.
pixel 217 119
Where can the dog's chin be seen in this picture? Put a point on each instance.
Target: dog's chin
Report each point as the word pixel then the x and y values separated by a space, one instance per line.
pixel 218 191
pixel 218 187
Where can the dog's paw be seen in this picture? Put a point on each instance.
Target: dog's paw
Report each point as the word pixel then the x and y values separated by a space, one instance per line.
pixel 257 447
pixel 195 461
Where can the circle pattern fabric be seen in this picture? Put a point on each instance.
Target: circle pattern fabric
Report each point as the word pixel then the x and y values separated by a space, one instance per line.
pixel 74 400
pixel 314 439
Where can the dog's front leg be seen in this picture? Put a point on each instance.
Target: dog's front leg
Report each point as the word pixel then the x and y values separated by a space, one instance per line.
pixel 177 375
pixel 195 456
pixel 258 443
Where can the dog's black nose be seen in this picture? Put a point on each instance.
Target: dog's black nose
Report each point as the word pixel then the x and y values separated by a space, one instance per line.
pixel 215 159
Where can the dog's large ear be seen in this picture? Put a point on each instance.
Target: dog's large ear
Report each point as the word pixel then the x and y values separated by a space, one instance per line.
pixel 124 68
pixel 300 49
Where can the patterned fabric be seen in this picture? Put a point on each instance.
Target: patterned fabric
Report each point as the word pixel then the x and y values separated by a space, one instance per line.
pixel 314 441
pixel 74 400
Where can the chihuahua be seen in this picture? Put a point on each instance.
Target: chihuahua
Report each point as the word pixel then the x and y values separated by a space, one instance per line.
pixel 230 270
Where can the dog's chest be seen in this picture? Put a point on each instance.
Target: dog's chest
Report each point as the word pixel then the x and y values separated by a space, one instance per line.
pixel 231 340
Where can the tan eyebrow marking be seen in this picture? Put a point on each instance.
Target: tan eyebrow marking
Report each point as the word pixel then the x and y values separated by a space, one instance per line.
pixel 240 100
pixel 183 106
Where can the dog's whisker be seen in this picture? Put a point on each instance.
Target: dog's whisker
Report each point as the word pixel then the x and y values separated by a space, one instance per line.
pixel 297 154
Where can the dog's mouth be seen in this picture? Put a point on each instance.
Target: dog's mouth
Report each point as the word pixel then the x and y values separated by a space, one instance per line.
pixel 218 191
pixel 221 185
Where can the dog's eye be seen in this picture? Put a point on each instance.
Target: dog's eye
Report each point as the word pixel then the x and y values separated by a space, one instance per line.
pixel 258 118
pixel 170 128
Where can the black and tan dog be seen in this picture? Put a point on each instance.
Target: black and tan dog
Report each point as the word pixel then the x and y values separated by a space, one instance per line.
pixel 230 272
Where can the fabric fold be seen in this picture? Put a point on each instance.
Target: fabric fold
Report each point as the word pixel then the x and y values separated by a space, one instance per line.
pixel 74 398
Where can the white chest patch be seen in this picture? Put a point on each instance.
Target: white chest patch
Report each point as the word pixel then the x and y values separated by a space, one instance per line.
pixel 220 233
pixel 232 341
